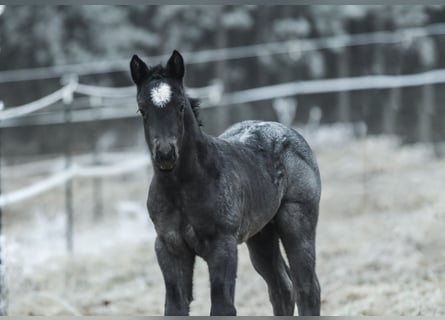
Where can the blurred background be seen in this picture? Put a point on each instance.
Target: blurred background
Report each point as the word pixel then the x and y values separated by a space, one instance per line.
pixel 364 84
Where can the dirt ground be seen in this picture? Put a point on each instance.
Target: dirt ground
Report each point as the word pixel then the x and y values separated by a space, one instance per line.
pixel 379 245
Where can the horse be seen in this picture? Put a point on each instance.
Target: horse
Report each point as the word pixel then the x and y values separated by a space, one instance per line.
pixel 257 183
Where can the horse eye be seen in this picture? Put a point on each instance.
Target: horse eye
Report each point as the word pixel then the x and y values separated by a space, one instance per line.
pixel 181 107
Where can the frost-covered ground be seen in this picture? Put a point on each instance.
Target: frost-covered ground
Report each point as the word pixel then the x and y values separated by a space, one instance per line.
pixel 380 240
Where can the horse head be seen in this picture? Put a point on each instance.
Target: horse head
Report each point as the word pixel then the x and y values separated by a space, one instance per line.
pixel 163 104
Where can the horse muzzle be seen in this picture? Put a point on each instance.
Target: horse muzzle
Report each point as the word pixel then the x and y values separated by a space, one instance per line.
pixel 166 156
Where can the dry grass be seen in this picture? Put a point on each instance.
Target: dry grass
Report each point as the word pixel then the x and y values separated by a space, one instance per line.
pixel 380 243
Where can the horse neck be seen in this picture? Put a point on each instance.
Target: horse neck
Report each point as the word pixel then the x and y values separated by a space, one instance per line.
pixel 194 144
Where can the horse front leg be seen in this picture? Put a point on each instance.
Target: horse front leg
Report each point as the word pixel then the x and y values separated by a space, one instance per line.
pixel 222 259
pixel 177 270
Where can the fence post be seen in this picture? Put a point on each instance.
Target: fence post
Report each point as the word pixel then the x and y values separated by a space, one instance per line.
pixel 389 117
pixel 71 81
pixel 221 39
pixel 425 112
pixel 97 181
pixel 3 285
pixel 343 100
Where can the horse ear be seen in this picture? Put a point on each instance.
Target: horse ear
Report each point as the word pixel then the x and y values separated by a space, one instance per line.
pixel 175 65
pixel 139 70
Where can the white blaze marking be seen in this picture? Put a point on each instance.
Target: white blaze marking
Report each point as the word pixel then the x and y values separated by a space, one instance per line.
pixel 161 94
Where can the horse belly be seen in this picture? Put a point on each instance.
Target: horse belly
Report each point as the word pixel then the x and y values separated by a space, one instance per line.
pixel 264 204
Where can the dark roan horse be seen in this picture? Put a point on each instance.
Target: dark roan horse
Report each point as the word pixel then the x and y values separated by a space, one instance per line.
pixel 257 183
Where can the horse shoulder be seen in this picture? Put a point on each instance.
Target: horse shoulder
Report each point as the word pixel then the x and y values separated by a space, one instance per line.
pixel 165 216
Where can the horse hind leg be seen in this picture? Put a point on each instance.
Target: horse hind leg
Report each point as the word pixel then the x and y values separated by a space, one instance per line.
pixel 296 224
pixel 267 260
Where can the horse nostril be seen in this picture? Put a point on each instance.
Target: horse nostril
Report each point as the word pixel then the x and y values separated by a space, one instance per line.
pixel 172 152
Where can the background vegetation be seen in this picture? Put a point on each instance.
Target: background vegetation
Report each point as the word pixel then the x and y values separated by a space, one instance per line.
pixel 58 35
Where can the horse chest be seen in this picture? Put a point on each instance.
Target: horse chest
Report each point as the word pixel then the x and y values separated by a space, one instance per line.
pixel 186 217
pixel 197 226
pixel 186 227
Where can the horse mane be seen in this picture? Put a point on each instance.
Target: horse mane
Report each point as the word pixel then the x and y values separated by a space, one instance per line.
pixel 195 104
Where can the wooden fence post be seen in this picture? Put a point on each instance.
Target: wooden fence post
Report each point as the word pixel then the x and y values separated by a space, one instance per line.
pixel 222 113
pixel 426 108
pixel 425 112
pixel 343 97
pixel 67 101
pixel 3 284
pixel 97 181
pixel 390 112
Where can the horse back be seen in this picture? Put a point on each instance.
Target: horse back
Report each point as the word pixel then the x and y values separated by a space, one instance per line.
pixel 284 153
